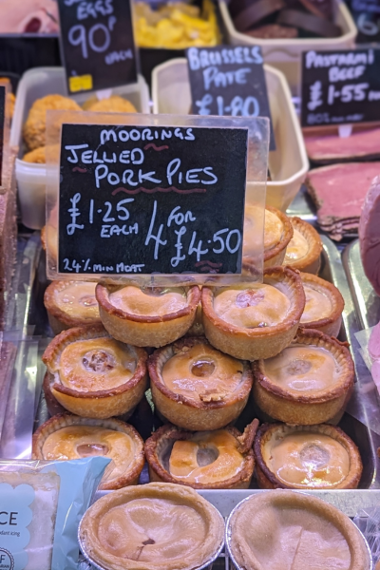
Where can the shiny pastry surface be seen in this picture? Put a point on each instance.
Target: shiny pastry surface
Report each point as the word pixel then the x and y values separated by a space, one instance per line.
pixel 96 364
pixel 78 300
pixel 306 533
pixel 152 530
pixel 149 302
pixel 206 458
pixel 202 373
pixel 77 441
pixel 297 249
pixel 303 368
pixel 318 304
pixel 306 459
pixel 259 306
pixel 273 228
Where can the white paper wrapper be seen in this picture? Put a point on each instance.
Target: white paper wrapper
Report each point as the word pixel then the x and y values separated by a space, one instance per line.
pixel 368 522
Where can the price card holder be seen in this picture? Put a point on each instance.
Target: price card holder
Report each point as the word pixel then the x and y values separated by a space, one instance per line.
pixel 229 81
pixel 340 87
pixel 155 200
pixel 97 45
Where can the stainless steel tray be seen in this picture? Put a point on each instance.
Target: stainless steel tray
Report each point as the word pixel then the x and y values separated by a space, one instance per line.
pixel 354 421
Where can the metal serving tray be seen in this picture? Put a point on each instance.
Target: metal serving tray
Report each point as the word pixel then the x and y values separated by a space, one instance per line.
pixel 354 421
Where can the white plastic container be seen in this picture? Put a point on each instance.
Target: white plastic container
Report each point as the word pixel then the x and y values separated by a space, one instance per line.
pixel 288 164
pixel 285 54
pixel 34 84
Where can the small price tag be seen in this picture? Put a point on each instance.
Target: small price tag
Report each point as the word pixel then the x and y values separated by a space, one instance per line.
pixel 135 200
pixel 340 87
pixel 229 80
pixel 366 14
pixel 97 44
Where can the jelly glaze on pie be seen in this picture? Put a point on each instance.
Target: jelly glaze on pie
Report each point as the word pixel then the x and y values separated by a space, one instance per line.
pixel 158 526
pixel 305 534
pixel 324 305
pixel 315 457
pixel 278 232
pixel 305 248
pixel 197 387
pixel 93 375
pixel 70 304
pixel 256 321
pixel 147 317
pixel 308 382
pixel 220 459
pixel 66 437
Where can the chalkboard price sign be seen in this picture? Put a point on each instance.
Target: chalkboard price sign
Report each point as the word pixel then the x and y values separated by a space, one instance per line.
pixel 366 14
pixel 144 200
pixel 3 95
pixel 229 80
pixel 340 87
pixel 97 44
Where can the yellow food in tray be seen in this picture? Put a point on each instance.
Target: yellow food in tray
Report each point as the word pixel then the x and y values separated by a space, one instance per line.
pixel 175 25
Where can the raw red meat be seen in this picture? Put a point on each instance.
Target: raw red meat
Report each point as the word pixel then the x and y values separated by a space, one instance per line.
pixel 333 148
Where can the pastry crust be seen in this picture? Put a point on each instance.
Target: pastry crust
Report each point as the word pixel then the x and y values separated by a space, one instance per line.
pixel 273 255
pixel 59 319
pixel 192 414
pixel 302 409
pixel 160 443
pixel 312 261
pixel 35 126
pixel 253 344
pixel 114 104
pixel 268 480
pixel 287 509
pixel 100 403
pixel 144 330
pixel 205 549
pixel 331 324
pixel 131 473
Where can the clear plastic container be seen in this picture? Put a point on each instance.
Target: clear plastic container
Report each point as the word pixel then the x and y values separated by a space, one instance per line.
pixel 288 164
pixel 285 54
pixel 31 178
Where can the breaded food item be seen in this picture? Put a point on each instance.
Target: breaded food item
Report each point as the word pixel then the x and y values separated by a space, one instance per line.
pixel 36 156
pixel 35 126
pixel 115 104
pixel 10 97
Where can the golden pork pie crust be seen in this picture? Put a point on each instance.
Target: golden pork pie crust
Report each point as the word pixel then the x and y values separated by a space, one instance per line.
pixel 71 304
pixel 308 383
pixel 324 305
pixel 150 317
pixel 304 250
pixel 196 387
pixel 220 459
pixel 301 457
pixel 92 375
pixel 168 527
pixel 257 321
pixel 66 437
pixel 305 533
pixel 278 232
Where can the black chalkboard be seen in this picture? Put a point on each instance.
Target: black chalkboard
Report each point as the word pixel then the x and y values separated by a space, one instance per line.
pixel 340 87
pixel 151 200
pixel 230 81
pixel 3 95
pixel 366 14
pixel 97 44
